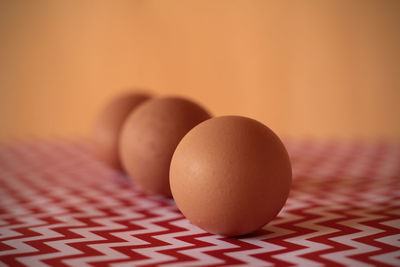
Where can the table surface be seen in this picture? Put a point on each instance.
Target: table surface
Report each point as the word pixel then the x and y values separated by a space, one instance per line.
pixel 59 206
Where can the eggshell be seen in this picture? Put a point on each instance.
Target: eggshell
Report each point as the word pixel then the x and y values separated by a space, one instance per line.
pixel 108 125
pixel 230 175
pixel 150 136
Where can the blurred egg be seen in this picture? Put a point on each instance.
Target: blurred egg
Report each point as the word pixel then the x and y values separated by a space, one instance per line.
pixel 108 125
pixel 230 175
pixel 150 136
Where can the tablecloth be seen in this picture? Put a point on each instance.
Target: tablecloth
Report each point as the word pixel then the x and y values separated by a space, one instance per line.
pixel 59 206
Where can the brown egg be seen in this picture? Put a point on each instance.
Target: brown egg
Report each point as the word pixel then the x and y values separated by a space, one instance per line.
pixel 150 136
pixel 109 123
pixel 230 175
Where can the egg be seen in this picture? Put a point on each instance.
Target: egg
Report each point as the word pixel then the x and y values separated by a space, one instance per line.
pixel 230 175
pixel 150 136
pixel 109 123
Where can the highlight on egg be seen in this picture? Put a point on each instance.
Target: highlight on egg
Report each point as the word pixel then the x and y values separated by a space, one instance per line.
pixel 230 175
pixel 150 135
pixel 108 125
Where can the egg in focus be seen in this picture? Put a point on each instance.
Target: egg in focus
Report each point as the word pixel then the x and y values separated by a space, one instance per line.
pixel 230 175
pixel 108 125
pixel 150 135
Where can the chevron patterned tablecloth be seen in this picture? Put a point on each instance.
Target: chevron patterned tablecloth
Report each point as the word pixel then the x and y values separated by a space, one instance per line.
pixel 61 207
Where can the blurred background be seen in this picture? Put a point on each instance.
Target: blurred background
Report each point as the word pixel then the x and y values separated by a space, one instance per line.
pixel 305 68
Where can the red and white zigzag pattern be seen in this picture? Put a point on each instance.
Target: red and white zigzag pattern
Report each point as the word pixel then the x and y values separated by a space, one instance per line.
pixel 60 207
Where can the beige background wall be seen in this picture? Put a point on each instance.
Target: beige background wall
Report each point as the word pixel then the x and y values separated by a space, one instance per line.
pixel 319 68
